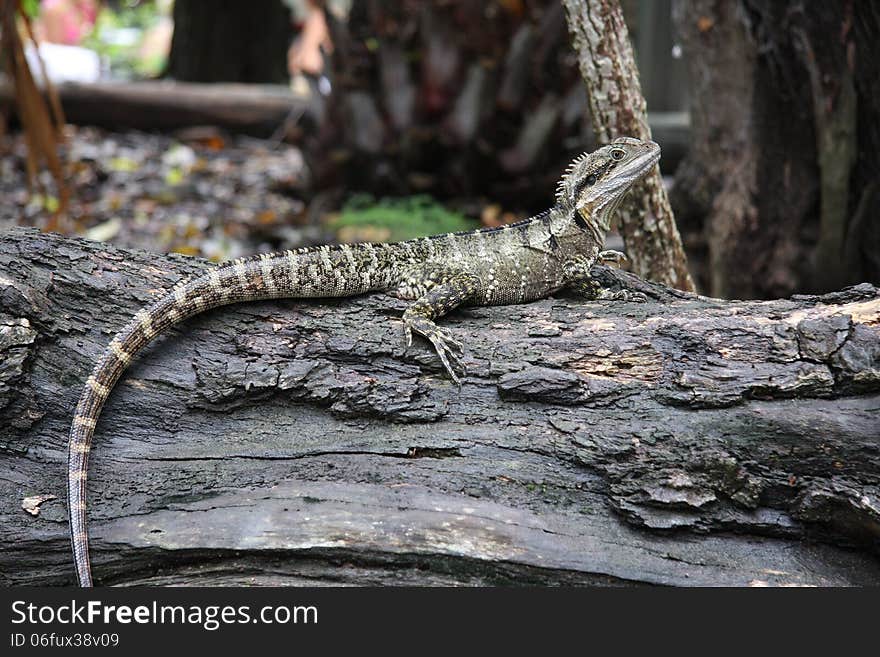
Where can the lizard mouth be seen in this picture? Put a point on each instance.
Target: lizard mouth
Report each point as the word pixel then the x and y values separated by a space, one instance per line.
pixel 641 164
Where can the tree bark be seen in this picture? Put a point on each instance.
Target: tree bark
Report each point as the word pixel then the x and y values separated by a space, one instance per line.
pixel 617 108
pixel 782 173
pixel 230 41
pixel 684 441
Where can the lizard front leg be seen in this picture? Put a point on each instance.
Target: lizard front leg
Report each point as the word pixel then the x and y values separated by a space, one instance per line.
pixel 439 291
pixel 577 277
pixel 610 255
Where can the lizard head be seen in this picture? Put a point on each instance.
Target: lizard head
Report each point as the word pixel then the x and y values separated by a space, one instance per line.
pixel 595 183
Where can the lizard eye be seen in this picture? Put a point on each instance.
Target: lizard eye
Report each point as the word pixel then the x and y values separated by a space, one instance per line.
pixel 617 154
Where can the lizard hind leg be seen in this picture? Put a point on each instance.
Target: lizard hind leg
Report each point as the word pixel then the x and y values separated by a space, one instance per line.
pixel 443 293
pixel 419 280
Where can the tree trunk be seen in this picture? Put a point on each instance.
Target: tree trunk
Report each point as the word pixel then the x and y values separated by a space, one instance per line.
pixel 617 108
pixel 782 173
pixel 685 441
pixel 230 41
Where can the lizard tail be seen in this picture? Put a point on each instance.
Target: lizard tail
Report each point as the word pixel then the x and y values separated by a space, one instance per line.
pixel 321 272
pixel 148 323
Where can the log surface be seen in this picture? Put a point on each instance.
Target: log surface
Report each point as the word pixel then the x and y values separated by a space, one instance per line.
pixel 683 441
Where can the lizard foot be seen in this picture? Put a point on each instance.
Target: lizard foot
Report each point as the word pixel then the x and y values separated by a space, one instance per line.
pixel 448 348
pixel 612 256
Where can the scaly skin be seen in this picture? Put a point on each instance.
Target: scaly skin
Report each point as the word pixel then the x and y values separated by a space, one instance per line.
pixel 515 263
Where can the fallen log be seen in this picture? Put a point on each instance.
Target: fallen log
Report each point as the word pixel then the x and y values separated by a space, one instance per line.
pixel 683 441
pixel 169 105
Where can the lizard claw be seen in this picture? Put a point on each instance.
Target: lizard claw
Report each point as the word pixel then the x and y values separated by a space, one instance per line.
pixel 450 342
pixel 446 350
pixel 447 347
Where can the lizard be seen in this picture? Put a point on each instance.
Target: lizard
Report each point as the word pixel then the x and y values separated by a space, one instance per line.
pixel 509 264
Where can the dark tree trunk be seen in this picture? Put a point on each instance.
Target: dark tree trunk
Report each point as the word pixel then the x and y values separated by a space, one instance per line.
pixel 783 171
pixel 684 441
pixel 230 41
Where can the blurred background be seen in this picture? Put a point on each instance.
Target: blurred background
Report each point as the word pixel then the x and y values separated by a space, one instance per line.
pixel 224 128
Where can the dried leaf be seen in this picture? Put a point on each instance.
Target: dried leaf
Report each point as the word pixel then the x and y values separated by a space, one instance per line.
pixel 104 232
pixel 705 23
pixel 32 504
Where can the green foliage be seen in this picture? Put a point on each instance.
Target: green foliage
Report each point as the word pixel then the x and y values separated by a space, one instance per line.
pixel 31 7
pixel 405 218
pixel 118 34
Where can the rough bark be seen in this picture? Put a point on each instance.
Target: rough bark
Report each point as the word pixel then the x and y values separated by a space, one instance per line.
pixel 617 108
pixel 684 441
pixel 230 41
pixel 785 144
pixel 720 169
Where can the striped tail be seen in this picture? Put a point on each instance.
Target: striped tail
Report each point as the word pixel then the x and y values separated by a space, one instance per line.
pixel 319 272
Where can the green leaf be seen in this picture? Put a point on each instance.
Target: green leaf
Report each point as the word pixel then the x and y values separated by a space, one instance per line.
pixel 31 8
pixel 124 164
pixel 174 177
pixel 406 217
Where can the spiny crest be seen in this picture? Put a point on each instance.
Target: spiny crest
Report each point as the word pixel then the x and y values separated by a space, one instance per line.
pixel 579 169
pixel 575 163
pixel 580 159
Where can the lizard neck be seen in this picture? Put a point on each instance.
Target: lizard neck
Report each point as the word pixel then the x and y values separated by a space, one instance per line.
pixel 577 234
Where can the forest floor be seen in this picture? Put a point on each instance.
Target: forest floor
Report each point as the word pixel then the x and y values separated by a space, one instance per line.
pixel 200 192
pixel 206 193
